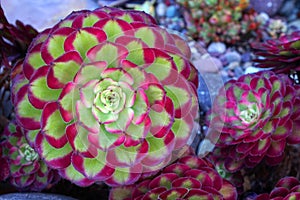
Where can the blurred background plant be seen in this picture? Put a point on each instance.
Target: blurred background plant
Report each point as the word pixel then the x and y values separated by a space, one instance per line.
pixel 14 42
pixel 221 21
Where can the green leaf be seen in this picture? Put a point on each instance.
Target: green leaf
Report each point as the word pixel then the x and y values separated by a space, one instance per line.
pixel 65 71
pixel 155 93
pixel 41 90
pixel 56 45
pixel 93 166
pixel 35 60
pixel 55 126
pixel 84 41
pixel 147 35
pixel 112 30
pixel 26 110
pixel 178 95
pixel 50 153
pixel 161 68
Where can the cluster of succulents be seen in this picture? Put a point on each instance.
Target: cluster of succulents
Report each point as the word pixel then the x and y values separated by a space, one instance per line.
pixel 21 164
pixel 287 188
pixel 190 177
pixel 282 55
pixel 220 20
pixel 106 95
pixel 109 96
pixel 255 117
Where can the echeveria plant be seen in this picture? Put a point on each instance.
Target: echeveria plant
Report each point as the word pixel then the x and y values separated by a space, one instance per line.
pixel 24 168
pixel 282 55
pixel 287 188
pixel 189 177
pixel 255 118
pixel 106 95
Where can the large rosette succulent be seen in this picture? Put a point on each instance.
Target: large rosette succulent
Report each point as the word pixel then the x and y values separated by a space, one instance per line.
pixel 287 188
pixel 255 119
pixel 106 95
pixel 21 164
pixel 282 54
pixel 190 177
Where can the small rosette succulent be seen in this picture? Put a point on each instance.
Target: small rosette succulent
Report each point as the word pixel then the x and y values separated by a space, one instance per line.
pixel 106 95
pixel 25 170
pixel 254 119
pixel 190 177
pixel 287 188
pixel 282 55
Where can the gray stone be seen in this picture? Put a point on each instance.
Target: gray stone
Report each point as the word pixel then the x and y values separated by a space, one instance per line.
pixel 293 26
pixel 238 71
pixel 34 196
pixel 161 9
pixel 250 70
pixel 246 57
pixel 216 48
pixel 232 56
pixel 172 11
pixel 208 65
pixel 209 85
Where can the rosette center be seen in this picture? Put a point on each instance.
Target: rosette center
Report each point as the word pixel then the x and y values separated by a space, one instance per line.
pixel 109 97
pixel 250 114
pixel 28 153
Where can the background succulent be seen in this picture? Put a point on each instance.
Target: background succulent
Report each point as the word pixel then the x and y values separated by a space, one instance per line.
pixel 253 117
pixel 287 188
pixel 190 177
pixel 221 21
pixel 106 95
pixel 14 41
pixel 281 55
pixel 21 164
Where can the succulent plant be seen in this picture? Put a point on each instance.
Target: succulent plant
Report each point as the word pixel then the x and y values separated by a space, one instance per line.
pixel 281 55
pixel 106 95
pixel 22 165
pixel 287 188
pixel 14 41
pixel 4 173
pixel 255 119
pixel 190 177
pixel 220 21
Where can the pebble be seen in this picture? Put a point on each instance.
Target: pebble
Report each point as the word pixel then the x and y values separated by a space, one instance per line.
pixel 161 9
pixel 172 11
pixel 238 71
pixel 232 56
pixel 203 95
pixel 208 89
pixel 293 26
pixel 216 48
pixel 246 57
pixel 208 64
pixel 34 196
pixel 251 70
